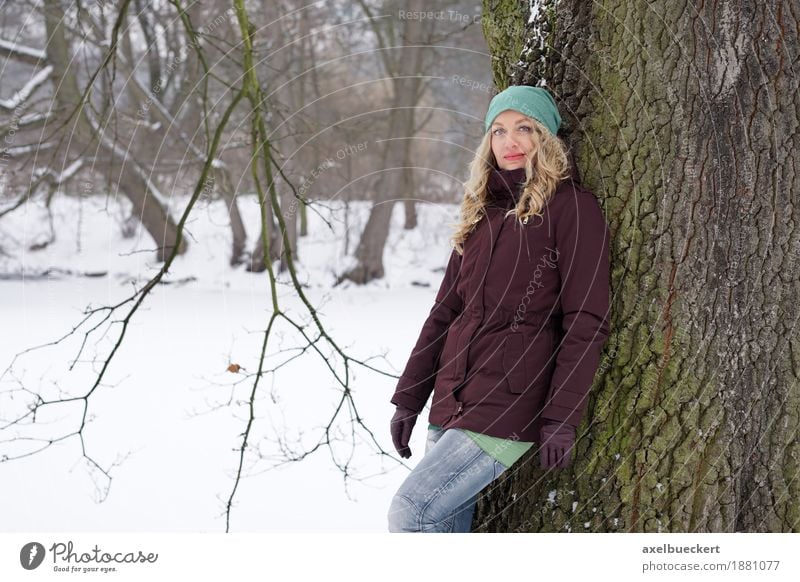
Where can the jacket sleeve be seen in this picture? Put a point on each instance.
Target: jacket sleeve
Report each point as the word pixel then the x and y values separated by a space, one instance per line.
pixel 582 242
pixel 417 380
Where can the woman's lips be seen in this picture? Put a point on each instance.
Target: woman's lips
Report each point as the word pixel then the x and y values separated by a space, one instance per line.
pixel 514 157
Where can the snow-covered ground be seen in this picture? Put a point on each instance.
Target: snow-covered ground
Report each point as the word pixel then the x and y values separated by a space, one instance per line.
pixel 168 414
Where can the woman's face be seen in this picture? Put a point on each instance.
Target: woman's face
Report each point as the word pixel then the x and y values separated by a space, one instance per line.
pixel 512 139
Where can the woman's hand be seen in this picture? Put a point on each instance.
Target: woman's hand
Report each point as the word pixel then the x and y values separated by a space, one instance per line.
pixel 402 423
pixel 558 440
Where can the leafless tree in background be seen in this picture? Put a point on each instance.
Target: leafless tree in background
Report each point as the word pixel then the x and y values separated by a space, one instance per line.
pixel 157 99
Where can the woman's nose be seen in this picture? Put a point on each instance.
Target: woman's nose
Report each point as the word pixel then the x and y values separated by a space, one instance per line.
pixel 513 143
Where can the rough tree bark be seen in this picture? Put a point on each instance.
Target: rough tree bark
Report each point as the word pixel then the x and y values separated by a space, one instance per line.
pixel 684 118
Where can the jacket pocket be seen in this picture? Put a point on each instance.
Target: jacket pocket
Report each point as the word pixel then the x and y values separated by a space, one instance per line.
pixel 514 362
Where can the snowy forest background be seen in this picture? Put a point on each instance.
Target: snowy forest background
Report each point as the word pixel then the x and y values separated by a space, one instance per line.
pixel 165 364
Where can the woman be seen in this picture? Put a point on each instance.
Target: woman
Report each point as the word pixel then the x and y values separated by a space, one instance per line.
pixel 513 340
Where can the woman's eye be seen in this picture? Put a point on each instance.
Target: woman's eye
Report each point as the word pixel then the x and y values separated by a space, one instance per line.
pixel 525 127
pixel 497 131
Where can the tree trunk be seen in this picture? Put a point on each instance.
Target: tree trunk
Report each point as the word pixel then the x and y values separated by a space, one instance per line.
pixel 238 232
pixel 685 127
pixel 289 205
pixel 410 206
pixel 258 263
pixel 395 182
pixel 369 251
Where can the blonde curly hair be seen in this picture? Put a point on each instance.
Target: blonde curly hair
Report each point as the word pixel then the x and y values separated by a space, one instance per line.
pixel 545 168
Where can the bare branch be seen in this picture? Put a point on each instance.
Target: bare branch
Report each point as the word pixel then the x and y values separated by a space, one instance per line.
pixel 22 54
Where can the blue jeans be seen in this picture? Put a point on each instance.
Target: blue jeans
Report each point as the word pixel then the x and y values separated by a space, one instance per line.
pixel 440 493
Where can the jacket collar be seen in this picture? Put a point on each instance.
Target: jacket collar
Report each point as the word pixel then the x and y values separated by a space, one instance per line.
pixel 503 186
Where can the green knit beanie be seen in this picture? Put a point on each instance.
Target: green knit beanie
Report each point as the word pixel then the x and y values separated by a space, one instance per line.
pixel 535 102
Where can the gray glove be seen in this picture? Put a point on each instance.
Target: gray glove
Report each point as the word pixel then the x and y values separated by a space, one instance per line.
pixel 401 426
pixel 558 442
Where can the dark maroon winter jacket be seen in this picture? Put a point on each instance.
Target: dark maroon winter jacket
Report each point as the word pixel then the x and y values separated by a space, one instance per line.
pixel 520 319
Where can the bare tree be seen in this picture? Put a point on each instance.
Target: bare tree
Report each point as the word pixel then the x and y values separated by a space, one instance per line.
pixel 82 120
pixel 243 99
pixel 404 66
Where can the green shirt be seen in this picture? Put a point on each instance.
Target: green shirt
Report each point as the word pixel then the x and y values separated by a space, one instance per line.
pixel 507 451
